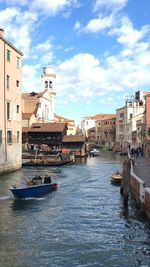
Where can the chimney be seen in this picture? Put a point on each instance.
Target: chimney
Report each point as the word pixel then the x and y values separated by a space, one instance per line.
pixel 1 32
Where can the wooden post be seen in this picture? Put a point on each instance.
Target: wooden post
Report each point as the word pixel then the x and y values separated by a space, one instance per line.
pixel 125 183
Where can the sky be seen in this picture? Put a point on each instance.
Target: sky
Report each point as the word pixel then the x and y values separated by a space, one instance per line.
pixel 100 50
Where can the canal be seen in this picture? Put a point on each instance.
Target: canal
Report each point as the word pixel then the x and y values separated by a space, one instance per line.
pixel 83 223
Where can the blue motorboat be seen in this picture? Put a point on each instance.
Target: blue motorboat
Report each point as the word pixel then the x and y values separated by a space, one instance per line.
pixel 33 190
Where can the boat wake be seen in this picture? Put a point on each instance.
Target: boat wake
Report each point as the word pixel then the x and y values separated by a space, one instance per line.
pixel 5 198
pixel 33 198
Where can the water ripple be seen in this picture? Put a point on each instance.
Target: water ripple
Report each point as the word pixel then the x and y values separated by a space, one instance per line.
pixel 83 223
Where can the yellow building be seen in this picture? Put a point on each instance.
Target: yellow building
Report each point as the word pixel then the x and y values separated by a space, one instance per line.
pixel 10 103
pixel 70 124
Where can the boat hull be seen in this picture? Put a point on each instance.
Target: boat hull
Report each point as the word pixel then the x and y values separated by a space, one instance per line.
pixel 53 163
pixel 94 153
pixel 116 178
pixel 33 191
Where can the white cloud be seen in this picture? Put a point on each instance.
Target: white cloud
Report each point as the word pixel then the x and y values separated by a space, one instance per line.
pixel 31 80
pixel 18 27
pixel 16 2
pixel 77 25
pixel 7 16
pixel 86 76
pixel 99 24
pixel 127 35
pixel 68 49
pixel 51 8
pixel 43 52
pixel 110 4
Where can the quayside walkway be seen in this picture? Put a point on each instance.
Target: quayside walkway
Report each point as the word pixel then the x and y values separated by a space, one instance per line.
pixel 142 170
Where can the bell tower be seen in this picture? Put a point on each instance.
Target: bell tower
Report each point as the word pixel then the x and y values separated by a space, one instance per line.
pixel 48 81
pixel 48 78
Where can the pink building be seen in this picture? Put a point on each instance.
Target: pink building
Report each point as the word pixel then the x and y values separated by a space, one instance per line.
pixel 147 122
pixel 10 103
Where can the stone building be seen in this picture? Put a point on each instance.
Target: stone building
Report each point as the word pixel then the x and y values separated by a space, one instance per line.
pixel 147 127
pixel 92 135
pixel 70 124
pixel 39 106
pixel 106 130
pixel 88 122
pixel 10 103
pixel 128 120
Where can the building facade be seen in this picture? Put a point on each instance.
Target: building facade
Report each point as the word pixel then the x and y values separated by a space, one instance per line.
pixel 88 122
pixel 130 121
pixel 106 131
pixel 70 124
pixel 92 135
pixel 50 134
pixel 10 103
pixel 147 127
pixel 39 106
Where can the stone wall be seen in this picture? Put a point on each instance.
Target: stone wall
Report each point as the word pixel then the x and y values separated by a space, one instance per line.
pixel 147 202
pixel 139 192
pixel 6 168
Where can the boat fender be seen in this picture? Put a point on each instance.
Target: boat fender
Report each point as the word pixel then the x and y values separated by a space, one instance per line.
pixel 55 186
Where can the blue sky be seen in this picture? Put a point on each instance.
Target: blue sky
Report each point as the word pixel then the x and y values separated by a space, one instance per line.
pixel 100 50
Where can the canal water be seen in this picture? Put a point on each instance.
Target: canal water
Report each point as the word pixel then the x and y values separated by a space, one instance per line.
pixel 83 223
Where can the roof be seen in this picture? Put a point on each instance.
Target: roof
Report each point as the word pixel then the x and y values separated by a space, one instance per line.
pixel 109 117
pixel 26 116
pixel 74 138
pixel 100 116
pixel 25 129
pixel 11 45
pixel 33 95
pixel 45 127
pixel 62 119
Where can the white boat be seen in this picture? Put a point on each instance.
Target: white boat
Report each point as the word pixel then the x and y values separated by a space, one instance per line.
pixel 94 152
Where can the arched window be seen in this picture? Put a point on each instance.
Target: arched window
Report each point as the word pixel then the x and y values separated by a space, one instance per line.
pixel 46 84
pixel 50 84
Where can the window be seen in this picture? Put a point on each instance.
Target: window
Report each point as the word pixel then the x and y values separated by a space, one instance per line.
pixel 8 55
pixel 18 62
pixel 17 83
pixel 50 84
pixel 8 81
pixel 0 137
pixel 8 110
pixel 18 135
pixel 17 108
pixel 46 84
pixel 121 115
pixel 9 137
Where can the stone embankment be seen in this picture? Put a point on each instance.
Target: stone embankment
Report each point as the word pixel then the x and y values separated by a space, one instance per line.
pixel 140 183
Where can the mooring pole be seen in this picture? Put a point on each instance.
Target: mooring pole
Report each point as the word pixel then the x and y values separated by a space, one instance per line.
pixel 125 183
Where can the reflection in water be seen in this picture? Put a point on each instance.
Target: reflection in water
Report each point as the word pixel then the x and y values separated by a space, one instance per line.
pixel 83 223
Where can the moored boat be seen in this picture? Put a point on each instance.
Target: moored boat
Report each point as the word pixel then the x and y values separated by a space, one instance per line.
pixel 33 190
pixel 116 177
pixel 94 152
pixel 47 162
